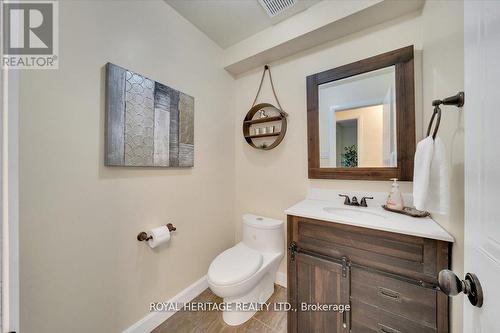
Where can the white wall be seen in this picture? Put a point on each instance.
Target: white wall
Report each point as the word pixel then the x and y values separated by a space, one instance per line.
pixel 267 182
pixel 82 269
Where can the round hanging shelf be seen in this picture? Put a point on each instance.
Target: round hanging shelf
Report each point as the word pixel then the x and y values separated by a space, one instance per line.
pixel 277 133
pixel 256 128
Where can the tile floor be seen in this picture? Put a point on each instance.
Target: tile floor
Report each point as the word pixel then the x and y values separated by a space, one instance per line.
pixel 211 322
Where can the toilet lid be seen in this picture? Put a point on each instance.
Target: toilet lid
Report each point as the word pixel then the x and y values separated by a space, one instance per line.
pixel 234 265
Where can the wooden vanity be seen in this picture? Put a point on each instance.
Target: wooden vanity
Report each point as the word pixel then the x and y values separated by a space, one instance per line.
pixel 384 265
pixel 389 279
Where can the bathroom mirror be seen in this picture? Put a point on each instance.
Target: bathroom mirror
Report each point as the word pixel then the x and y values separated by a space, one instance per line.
pixel 361 119
pixel 357 121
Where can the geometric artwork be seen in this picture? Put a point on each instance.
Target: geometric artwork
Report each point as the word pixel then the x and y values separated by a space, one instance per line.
pixel 147 123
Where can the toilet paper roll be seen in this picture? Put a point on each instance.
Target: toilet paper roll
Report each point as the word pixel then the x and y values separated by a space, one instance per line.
pixel 161 235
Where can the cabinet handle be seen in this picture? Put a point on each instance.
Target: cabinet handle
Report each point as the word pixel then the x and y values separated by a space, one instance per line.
pixel 391 294
pixel 346 321
pixel 293 250
pixel 387 329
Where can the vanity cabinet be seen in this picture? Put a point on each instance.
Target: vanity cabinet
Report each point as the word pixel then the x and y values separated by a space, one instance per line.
pixel 389 279
pixel 320 281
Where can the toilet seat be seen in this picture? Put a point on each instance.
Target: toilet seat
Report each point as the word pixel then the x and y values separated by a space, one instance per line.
pixel 234 265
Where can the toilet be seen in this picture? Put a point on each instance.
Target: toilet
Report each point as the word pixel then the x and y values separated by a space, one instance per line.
pixel 246 272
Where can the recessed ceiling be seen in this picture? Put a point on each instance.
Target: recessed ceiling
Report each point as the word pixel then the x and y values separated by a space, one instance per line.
pixel 228 22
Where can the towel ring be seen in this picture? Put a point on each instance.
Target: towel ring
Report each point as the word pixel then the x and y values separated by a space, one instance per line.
pixel 437 111
pixel 457 100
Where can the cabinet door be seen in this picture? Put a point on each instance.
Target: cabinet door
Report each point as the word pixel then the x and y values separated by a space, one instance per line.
pixel 317 281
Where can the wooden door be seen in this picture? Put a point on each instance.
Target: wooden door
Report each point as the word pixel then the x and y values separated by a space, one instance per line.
pixel 318 281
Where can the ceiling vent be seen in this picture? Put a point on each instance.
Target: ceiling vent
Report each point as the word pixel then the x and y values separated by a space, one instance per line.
pixel 276 7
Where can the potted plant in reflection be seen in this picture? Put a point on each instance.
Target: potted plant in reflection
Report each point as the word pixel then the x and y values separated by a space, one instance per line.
pixel 350 157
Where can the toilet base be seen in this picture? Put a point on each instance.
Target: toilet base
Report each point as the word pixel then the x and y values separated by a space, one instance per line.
pixel 259 294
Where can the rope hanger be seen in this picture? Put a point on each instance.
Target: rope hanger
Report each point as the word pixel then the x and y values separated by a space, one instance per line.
pixel 267 68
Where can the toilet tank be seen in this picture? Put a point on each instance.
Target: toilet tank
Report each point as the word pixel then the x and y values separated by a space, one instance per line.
pixel 263 234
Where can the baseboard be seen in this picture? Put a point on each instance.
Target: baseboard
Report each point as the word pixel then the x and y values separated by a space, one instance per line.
pixel 153 319
pixel 281 279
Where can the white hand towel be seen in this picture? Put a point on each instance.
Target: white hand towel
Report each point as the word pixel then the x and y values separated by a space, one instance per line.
pixel 438 198
pixel 430 178
pixel 421 172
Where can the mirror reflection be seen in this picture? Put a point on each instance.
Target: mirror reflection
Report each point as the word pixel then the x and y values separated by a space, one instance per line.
pixel 357 121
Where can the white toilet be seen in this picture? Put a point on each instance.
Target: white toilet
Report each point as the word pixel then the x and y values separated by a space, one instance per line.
pixel 246 272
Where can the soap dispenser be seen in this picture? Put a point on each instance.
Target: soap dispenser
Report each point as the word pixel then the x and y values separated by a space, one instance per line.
pixel 395 198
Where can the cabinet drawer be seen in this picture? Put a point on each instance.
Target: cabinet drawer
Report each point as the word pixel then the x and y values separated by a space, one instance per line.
pixel 414 257
pixel 370 319
pixel 394 295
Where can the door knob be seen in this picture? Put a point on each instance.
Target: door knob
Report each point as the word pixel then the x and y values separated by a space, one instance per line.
pixel 451 285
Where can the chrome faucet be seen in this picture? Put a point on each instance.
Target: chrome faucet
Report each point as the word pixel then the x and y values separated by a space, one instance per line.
pixel 354 201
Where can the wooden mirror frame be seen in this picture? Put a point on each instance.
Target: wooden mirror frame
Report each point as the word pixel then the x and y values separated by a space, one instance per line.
pixel 402 59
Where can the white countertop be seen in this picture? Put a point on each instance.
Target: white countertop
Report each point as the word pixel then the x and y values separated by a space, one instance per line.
pixel 373 216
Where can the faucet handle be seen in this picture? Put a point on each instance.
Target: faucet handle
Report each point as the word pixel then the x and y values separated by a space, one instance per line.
pixel 363 201
pixel 347 201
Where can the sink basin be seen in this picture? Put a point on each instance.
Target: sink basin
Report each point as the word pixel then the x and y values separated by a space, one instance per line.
pixel 353 214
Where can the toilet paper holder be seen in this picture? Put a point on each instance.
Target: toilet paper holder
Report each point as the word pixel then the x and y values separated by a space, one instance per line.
pixel 143 236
